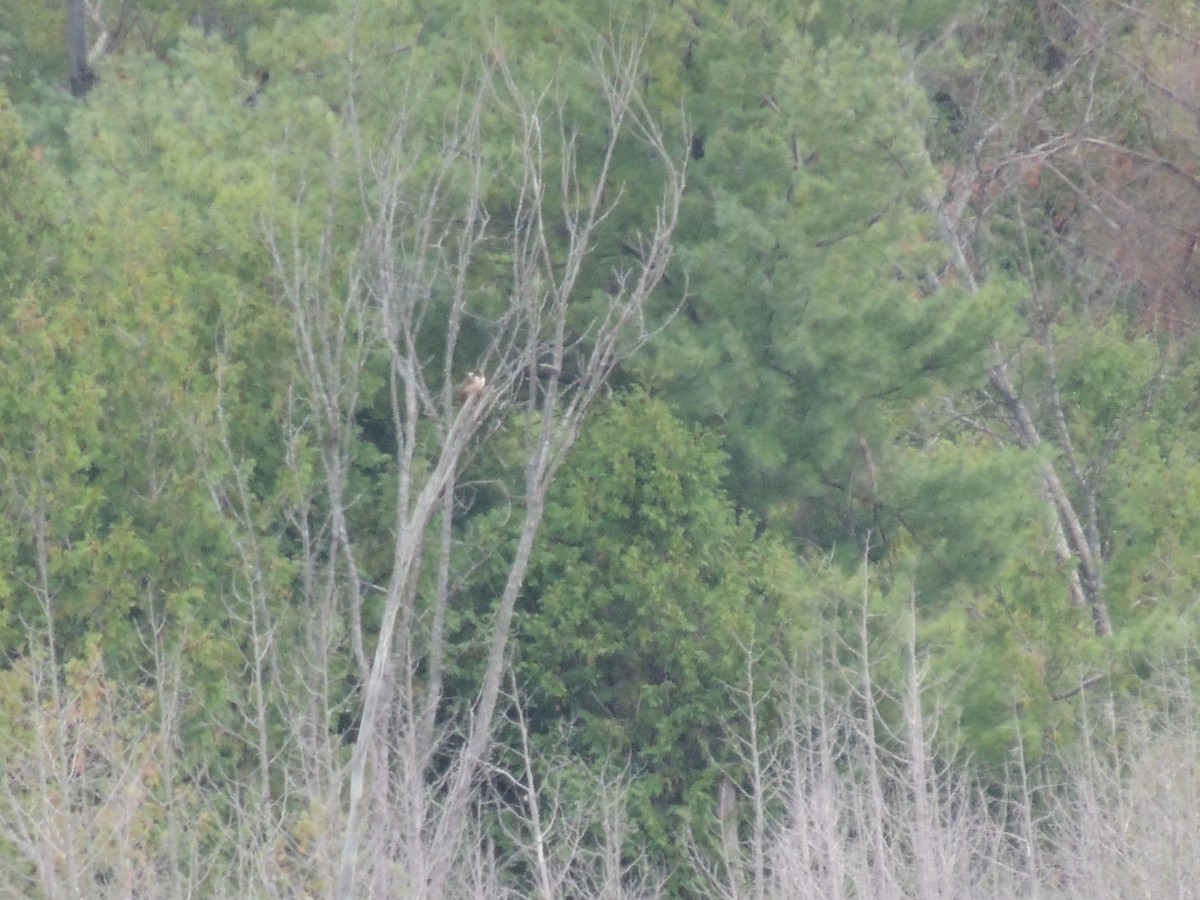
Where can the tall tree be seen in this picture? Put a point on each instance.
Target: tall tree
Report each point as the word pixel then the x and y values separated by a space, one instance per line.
pixel 813 314
pixel 646 598
pixel 474 253
pixel 1053 174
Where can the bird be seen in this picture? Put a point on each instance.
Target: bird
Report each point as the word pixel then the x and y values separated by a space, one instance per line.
pixel 473 386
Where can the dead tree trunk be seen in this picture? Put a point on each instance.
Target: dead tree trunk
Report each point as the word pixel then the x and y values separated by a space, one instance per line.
pixel 82 77
pixel 1076 547
pixel 413 780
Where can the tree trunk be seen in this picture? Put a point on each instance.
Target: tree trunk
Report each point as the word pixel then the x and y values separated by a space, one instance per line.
pixel 82 78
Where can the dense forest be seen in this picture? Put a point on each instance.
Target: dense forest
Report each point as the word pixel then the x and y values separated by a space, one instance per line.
pixel 724 448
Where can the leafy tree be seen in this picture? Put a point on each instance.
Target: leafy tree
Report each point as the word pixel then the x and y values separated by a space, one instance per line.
pixel 1051 173
pixel 142 345
pixel 32 43
pixel 646 597
pixel 814 313
pixel 50 402
pixel 938 319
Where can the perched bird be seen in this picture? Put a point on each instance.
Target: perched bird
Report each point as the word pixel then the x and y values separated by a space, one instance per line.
pixel 473 386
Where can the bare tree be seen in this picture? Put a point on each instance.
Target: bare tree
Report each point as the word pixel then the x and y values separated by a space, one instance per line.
pixel 84 799
pixel 1082 156
pixel 84 803
pixel 995 163
pixel 411 293
pixel 859 801
pixel 567 842
pixel 109 28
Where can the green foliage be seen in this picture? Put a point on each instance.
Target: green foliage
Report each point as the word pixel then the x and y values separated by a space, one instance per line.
pixel 971 509
pixel 33 49
pixel 32 46
pixel 29 214
pixel 147 363
pixel 908 22
pixel 138 335
pixel 813 312
pixel 645 599
pixel 51 405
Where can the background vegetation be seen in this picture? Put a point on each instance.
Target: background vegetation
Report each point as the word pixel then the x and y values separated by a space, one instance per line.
pixel 826 526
